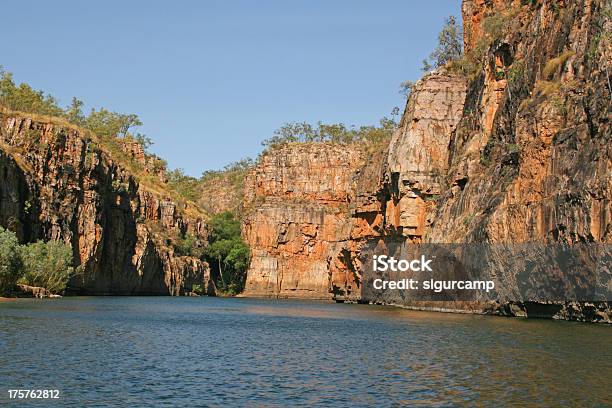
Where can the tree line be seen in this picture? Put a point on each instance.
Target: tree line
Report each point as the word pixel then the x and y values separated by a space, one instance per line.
pixel 101 121
pixel 294 132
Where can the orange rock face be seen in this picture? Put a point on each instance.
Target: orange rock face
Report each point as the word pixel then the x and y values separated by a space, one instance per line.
pixel 536 165
pixel 297 218
pixel 474 12
pixel 419 152
pixel 518 152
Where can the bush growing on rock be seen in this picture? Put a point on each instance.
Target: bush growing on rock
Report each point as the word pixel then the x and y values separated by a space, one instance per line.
pixel 183 184
pixel 102 122
pixel 23 98
pixel 449 48
pixel 189 245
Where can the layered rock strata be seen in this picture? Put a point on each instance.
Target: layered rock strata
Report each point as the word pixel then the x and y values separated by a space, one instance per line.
pixel 296 203
pixel 58 183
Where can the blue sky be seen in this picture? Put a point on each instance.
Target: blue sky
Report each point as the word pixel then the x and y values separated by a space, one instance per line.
pixel 212 79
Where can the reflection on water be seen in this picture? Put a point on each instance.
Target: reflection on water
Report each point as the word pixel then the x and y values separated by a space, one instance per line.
pixel 208 351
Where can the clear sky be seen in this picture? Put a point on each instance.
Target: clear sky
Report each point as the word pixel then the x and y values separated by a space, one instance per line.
pixel 212 79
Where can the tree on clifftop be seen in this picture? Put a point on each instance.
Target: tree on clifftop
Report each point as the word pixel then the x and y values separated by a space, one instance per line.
pixel 449 48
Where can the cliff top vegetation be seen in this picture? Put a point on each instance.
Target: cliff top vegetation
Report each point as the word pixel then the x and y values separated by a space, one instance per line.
pixel 303 132
pixel 110 131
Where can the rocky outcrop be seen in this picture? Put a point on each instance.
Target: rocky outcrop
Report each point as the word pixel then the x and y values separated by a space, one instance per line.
pixel 34 291
pixel 527 158
pixel 540 116
pixel 419 154
pixel 296 221
pixel 61 183
pixel 474 13
pixel 315 206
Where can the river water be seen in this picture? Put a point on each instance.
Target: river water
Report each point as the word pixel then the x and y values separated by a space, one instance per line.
pixel 168 351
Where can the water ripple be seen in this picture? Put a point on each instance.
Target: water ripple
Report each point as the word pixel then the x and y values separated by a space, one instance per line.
pixel 216 352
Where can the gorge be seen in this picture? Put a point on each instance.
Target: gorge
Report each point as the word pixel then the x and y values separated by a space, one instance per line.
pixel 511 144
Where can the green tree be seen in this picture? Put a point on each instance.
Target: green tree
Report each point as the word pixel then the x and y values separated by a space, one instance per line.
pixel 47 265
pixel 144 140
pixel 449 48
pixel 189 245
pixel 10 262
pixel 74 112
pixel 106 123
pixel 227 253
pixel 406 88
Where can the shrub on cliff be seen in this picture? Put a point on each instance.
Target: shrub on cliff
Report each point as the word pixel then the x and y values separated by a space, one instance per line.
pixel 494 28
pixel 23 98
pixel 10 262
pixel 189 245
pixel 47 265
pixel 227 254
pixel 405 88
pixel 185 185
pixel 102 122
pixel 110 124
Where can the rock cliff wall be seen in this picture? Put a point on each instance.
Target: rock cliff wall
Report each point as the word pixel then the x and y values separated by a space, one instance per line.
pixel 531 158
pixel 419 152
pixel 296 221
pixel 517 150
pixel 511 144
pixel 59 183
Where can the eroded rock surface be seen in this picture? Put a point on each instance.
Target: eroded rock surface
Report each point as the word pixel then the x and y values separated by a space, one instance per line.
pixel 58 184
pixel 297 202
pixel 419 151
pixel 517 152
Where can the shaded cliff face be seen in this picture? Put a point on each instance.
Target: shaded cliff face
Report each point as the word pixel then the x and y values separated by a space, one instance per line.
pixel 60 184
pixel 296 220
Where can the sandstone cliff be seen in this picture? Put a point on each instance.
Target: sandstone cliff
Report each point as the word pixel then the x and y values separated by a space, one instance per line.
pixel 61 183
pixel 531 158
pixel 515 148
pixel 296 203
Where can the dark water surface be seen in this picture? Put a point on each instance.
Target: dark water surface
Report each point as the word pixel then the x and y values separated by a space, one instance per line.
pixel 162 351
